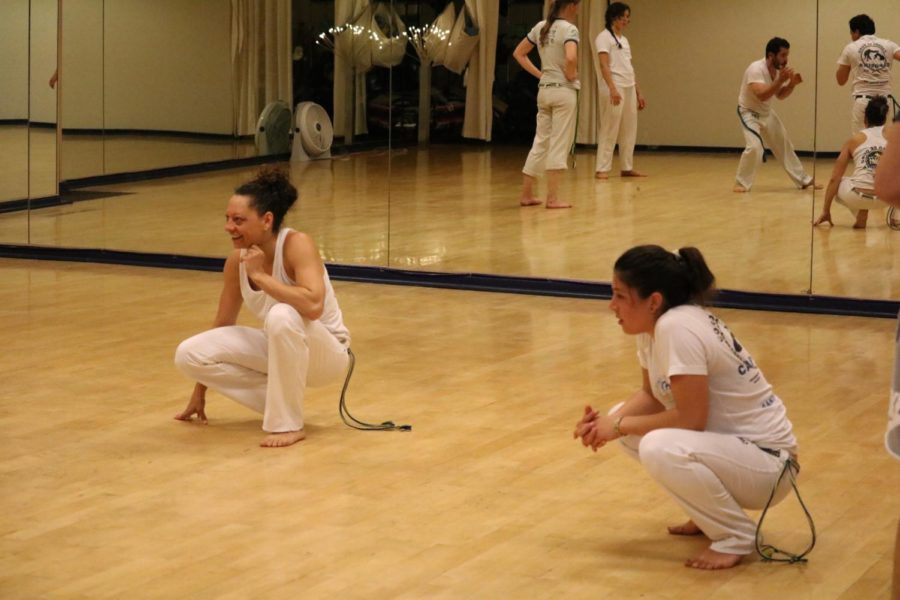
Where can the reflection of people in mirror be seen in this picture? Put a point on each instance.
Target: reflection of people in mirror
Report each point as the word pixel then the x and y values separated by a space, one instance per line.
pixel 279 274
pixel 619 96
pixel 54 78
pixel 767 78
pixel 857 192
pixel 868 59
pixel 887 188
pixel 705 423
pixel 556 39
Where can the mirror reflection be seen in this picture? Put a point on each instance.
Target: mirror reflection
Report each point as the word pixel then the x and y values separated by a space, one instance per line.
pixel 444 134
pixel 858 254
pixel 457 208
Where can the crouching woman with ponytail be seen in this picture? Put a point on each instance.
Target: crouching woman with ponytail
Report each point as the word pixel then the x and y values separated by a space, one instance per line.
pixel 279 274
pixel 705 424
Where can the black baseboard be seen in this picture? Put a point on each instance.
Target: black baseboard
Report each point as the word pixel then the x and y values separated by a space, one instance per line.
pixel 814 304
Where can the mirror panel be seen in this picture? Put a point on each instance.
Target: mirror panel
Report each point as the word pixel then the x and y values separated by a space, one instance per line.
pixel 14 27
pixel 455 207
pixel 846 261
pixel 42 100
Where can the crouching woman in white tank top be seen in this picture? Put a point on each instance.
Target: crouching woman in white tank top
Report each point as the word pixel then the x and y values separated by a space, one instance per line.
pixel 705 423
pixel 303 342
pixel 857 192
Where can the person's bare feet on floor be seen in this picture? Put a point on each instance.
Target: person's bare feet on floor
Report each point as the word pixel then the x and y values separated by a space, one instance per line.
pixel 529 202
pixel 633 173
pixel 862 217
pixel 601 176
pixel 558 204
pixel 711 560
pixel 279 440
pixel 688 528
pixel 813 184
pixel 739 189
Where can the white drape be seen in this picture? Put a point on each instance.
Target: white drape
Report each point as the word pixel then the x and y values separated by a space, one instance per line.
pixel 350 66
pixel 260 59
pixel 480 74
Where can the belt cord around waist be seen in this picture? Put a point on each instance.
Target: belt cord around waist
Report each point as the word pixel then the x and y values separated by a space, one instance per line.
pixel 768 552
pixel 756 133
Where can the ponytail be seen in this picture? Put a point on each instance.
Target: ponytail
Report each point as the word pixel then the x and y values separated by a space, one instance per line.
pixel 555 8
pixel 682 278
pixel 613 12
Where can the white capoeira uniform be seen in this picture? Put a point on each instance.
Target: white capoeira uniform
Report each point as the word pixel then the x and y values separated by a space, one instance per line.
pixel 714 474
pixel 865 159
pixel 870 59
pixel 557 101
pixel 760 123
pixel 618 123
pixel 268 369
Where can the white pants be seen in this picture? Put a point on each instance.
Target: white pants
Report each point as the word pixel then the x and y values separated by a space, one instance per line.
pixel 618 123
pixel 713 476
pixel 852 200
pixel 267 369
pixel 773 134
pixel 555 131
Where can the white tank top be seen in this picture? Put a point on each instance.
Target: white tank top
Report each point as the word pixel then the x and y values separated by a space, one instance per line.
pixel 866 156
pixel 260 302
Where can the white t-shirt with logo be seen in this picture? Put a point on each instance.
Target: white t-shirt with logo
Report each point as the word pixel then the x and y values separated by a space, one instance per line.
pixel 757 72
pixel 689 340
pixel 553 52
pixel 869 59
pixel 619 58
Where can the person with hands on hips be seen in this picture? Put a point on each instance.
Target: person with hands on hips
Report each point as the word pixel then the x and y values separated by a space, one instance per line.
pixel 556 39
pixel 279 274
pixel 705 423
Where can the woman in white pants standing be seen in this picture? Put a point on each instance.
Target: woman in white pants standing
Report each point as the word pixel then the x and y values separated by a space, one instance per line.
pixel 865 147
pixel 619 94
pixel 705 424
pixel 279 274
pixel 556 39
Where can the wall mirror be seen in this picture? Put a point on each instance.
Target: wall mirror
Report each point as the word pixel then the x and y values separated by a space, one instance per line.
pixel 427 149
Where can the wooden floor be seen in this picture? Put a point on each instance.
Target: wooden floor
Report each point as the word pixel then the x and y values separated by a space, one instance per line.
pixel 105 496
pixel 454 208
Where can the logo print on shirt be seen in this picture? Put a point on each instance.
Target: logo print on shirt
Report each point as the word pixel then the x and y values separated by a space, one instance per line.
pixel 873 58
pixel 871 157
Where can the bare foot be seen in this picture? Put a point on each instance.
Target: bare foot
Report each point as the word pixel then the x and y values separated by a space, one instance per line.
pixel 738 188
pixel 529 202
pixel 602 176
pixel 711 560
pixel 278 440
pixel 633 173
pixel 689 528
pixel 813 185
pixel 861 219
pixel 558 204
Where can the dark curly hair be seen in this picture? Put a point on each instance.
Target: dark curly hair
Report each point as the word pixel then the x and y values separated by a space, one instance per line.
pixel 270 191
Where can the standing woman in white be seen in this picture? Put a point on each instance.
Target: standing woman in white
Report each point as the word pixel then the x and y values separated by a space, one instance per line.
pixel 705 423
pixel 620 96
pixel 279 274
pixel 556 39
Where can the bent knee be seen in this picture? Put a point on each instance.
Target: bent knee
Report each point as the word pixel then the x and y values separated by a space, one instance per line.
pixel 659 448
pixel 283 318
pixel 186 358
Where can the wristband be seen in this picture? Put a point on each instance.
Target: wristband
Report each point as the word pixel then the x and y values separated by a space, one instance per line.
pixel 617 426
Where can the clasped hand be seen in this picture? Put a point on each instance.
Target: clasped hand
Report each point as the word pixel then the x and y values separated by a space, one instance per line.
pixel 594 429
pixel 254 259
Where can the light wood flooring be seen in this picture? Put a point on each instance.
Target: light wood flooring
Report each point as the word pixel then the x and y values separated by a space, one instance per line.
pixel 454 208
pixel 105 496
